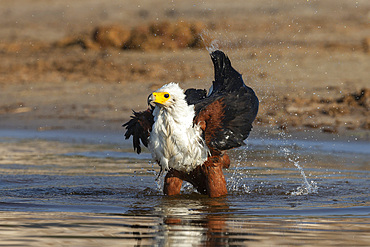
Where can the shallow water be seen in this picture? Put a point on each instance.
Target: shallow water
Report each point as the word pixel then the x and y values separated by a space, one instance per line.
pixel 89 189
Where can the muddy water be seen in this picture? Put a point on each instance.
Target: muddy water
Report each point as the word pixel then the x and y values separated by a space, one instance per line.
pixel 86 189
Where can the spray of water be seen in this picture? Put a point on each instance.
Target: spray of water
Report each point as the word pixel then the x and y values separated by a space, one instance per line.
pixel 159 181
pixel 236 183
pixel 306 187
pixel 210 43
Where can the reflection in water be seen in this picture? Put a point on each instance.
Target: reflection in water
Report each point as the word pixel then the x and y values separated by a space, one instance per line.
pixel 202 224
pixel 195 222
pixel 199 221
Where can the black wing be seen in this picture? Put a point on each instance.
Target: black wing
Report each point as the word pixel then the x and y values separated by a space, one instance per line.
pixel 139 127
pixel 230 108
pixel 227 79
pixel 194 96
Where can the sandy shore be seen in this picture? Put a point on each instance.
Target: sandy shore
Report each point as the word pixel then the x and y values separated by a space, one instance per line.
pixel 307 61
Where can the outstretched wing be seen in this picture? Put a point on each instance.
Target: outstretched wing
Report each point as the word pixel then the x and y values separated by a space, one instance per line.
pixel 227 113
pixel 139 127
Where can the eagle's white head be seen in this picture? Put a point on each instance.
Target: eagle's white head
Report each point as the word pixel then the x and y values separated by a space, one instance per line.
pixel 168 96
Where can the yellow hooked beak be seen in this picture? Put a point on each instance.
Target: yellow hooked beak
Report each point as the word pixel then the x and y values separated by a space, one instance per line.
pixel 158 98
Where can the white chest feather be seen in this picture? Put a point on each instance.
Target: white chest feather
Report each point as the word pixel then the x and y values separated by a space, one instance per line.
pixel 174 141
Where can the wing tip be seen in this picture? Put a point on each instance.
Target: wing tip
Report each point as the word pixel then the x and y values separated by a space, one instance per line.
pixel 218 53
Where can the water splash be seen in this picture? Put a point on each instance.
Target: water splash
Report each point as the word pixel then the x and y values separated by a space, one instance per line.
pixel 210 44
pixel 159 179
pixel 236 183
pixel 307 187
pixel 213 46
pixel 160 183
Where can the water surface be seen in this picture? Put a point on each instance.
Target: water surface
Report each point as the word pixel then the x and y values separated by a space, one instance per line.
pixel 90 189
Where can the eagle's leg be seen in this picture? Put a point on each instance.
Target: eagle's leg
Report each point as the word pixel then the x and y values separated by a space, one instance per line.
pixel 214 179
pixel 172 183
pixel 224 160
pixel 197 179
pixel 208 179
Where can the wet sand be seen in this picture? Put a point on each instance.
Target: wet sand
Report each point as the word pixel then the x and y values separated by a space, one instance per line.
pixel 307 62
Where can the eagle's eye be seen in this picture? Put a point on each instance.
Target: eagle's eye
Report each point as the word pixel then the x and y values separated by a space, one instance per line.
pixel 166 95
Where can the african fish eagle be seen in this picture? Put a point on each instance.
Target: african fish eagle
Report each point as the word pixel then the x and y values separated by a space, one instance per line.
pixel 188 132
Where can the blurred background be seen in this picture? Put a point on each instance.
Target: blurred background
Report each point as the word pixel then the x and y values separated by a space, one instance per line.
pixel 85 64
